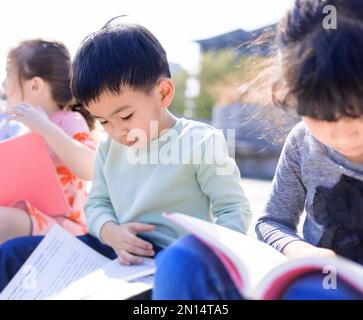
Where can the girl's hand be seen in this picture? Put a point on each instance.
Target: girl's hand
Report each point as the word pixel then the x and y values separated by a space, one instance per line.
pixel 318 252
pixel 33 117
pixel 123 239
pixel 299 249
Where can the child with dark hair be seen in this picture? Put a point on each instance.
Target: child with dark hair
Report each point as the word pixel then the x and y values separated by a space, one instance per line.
pixel 151 161
pixel 38 93
pixel 320 168
pixel 121 75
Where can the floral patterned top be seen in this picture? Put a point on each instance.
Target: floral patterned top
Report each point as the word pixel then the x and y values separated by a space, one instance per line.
pixel 74 188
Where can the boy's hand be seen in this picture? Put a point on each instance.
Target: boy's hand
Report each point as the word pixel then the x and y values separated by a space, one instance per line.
pixel 128 247
pixel 299 249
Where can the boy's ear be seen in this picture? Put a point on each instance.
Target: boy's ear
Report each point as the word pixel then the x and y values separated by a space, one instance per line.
pixel 166 91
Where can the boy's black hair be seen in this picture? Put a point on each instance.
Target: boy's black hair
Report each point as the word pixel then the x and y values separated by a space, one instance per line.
pixel 118 56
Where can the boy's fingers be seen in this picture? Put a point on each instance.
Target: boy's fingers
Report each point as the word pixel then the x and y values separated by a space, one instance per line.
pixel 137 227
pixel 122 261
pixel 122 258
pixel 136 241
pixel 128 258
pixel 138 251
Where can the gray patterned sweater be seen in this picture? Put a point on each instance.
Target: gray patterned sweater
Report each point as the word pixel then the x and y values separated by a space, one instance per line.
pixel 305 165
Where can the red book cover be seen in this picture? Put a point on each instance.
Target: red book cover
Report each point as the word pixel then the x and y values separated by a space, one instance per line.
pixel 27 173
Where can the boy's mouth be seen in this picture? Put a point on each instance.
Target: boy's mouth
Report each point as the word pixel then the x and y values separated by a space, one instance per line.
pixel 129 144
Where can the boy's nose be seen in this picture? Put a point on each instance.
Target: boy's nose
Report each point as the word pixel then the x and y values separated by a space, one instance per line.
pixel 119 134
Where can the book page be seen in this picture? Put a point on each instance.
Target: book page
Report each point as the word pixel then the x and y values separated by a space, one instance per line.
pixel 112 281
pixel 252 258
pixel 276 282
pixel 59 260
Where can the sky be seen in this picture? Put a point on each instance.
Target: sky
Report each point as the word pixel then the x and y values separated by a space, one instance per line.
pixel 175 23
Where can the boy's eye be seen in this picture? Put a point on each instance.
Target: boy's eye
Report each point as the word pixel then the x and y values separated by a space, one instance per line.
pixel 128 117
pixel 103 122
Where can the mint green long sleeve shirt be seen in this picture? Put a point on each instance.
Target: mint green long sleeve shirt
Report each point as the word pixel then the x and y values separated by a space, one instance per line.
pixel 186 170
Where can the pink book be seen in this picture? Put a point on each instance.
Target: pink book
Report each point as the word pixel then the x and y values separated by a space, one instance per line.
pixel 27 173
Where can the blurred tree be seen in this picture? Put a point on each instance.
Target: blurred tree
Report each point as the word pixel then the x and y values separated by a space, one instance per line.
pixel 180 78
pixel 220 75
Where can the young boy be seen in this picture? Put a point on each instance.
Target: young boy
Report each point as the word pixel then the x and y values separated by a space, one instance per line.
pixel 151 162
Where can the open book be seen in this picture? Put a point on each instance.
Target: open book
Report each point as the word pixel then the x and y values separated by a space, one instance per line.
pixel 258 270
pixel 63 267
pixel 27 173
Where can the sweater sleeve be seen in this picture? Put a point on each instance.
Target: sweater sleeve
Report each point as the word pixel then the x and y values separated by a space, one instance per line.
pixel 98 208
pixel 278 225
pixel 220 180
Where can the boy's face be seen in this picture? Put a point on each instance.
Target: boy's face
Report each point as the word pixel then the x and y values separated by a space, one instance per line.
pixel 344 135
pixel 125 115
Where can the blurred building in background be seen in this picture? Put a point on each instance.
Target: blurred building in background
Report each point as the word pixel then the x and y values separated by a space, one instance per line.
pixel 259 136
pixel 228 62
pixel 244 43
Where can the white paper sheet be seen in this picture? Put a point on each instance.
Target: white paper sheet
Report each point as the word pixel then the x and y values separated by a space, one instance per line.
pixel 112 281
pixel 62 262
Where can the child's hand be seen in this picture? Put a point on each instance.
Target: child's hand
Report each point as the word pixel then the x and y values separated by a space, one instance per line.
pixel 300 249
pixel 33 117
pixel 128 247
pixel 317 252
